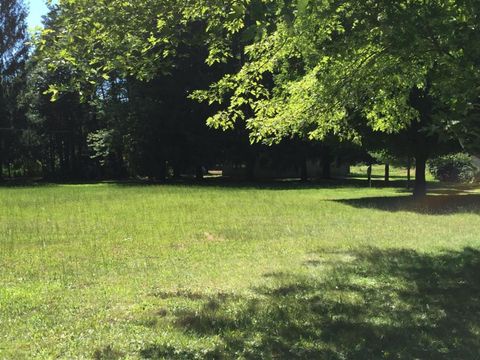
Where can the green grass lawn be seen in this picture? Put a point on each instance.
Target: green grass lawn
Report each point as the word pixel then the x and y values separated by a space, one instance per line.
pixel 286 271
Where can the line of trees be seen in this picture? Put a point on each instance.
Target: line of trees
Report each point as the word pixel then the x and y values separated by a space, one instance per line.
pixel 124 88
pixel 13 54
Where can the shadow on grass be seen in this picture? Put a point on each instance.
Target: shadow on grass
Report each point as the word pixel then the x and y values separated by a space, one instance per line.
pixel 372 304
pixel 446 202
pixel 259 184
pixel 219 182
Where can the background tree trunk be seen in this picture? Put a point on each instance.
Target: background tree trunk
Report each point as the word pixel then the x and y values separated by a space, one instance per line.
pixel 326 162
pixel 161 171
pixel 387 173
pixel 1 155
pixel 304 170
pixel 251 162
pixel 369 175
pixel 409 172
pixel 199 172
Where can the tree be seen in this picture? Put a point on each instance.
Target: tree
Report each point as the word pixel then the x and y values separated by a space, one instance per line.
pixel 13 52
pixel 307 67
pixel 153 121
pixel 57 130
pixel 394 63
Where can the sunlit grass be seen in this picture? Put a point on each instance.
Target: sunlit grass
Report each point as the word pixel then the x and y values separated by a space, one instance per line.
pixel 378 173
pixel 114 271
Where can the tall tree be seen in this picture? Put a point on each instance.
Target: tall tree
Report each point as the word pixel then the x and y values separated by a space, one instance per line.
pixel 155 58
pixel 309 66
pixel 394 63
pixel 13 52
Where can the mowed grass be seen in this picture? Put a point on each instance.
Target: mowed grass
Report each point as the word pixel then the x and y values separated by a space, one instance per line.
pixel 111 271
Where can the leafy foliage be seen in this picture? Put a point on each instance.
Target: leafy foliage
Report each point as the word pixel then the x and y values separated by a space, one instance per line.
pixel 132 38
pixel 13 53
pixel 327 59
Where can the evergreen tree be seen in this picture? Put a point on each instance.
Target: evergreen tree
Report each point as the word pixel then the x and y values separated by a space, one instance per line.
pixel 13 53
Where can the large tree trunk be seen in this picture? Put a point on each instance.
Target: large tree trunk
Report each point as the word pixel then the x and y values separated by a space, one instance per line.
pixel 420 189
pixel 423 143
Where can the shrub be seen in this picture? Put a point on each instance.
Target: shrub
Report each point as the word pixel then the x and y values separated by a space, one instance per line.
pixel 453 168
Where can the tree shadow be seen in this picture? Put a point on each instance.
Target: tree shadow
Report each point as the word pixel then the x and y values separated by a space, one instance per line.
pixel 215 182
pixel 258 184
pixel 444 202
pixel 271 184
pixel 371 304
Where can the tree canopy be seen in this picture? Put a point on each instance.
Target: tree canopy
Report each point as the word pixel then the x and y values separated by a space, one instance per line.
pixel 305 68
pixel 334 60
pixel 401 76
pixel 329 60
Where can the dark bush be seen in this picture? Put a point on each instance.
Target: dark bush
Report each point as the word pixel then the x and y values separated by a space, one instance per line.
pixel 457 168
